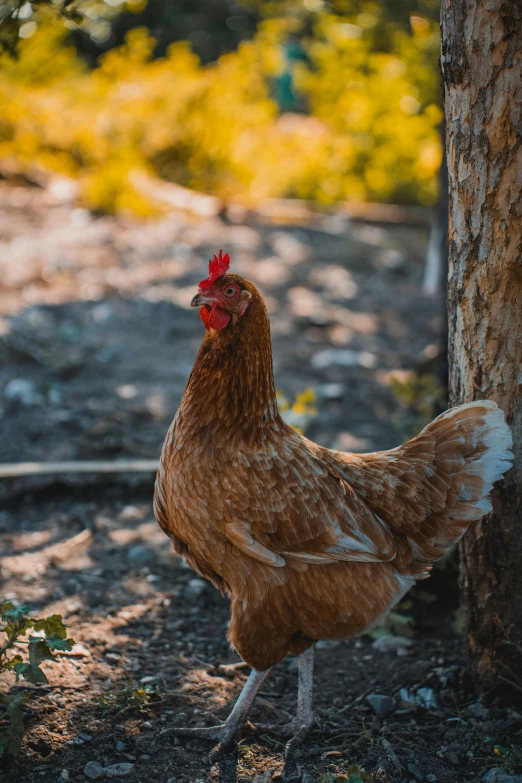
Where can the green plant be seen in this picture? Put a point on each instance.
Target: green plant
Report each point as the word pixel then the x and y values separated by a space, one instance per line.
pixel 129 696
pixel 52 637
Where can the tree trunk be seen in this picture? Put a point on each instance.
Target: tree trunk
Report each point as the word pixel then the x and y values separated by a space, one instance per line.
pixel 481 64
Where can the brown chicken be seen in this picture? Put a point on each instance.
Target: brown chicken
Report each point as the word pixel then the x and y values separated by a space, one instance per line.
pixel 309 543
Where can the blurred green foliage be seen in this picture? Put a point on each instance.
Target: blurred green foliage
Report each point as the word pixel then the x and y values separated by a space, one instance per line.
pixel 366 87
pixel 422 397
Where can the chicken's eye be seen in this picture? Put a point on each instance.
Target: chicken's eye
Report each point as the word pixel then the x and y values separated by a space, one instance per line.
pixel 230 291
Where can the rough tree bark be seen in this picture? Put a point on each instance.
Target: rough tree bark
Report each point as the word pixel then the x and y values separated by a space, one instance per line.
pixel 481 64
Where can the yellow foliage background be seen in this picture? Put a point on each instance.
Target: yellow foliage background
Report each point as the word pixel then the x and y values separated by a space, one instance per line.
pixel 370 133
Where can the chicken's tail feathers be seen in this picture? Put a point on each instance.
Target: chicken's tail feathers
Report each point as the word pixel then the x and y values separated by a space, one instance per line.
pixel 429 490
pixel 473 450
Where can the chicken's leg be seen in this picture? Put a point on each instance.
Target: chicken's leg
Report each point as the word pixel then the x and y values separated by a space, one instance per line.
pixel 226 732
pixel 297 729
pixel 304 719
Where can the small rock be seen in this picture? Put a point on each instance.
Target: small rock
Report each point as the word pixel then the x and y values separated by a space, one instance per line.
pixel 391 258
pixel 147 725
pixel 57 699
pixel 147 680
pixel 497 775
pixel 120 746
pixel 140 555
pixel 64 776
pixel 120 770
pixel 330 391
pixel 431 778
pixel 112 657
pixel 131 513
pixel 343 358
pixel 386 644
pixel 415 771
pixel 327 644
pixel 93 770
pixel 22 390
pixel 426 698
pixel 84 736
pixel 54 396
pixel 478 710
pixel 380 704
pixel 195 587
pixel 453 757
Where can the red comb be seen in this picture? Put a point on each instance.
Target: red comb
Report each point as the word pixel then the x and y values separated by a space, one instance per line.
pixel 216 267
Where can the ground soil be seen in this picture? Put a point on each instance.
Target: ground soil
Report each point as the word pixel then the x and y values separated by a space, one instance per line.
pixel 96 323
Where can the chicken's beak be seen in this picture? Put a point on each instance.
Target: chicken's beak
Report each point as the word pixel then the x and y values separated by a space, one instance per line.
pixel 202 299
pixel 199 300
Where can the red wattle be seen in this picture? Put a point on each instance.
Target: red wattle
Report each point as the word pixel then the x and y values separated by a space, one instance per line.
pixel 205 316
pixel 218 318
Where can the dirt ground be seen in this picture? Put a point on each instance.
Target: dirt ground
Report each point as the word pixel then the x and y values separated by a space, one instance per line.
pixel 96 343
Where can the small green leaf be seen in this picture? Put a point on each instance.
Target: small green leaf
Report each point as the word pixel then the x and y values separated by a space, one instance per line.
pixel 13 614
pixel 58 643
pixel 52 626
pixel 20 670
pixel 38 653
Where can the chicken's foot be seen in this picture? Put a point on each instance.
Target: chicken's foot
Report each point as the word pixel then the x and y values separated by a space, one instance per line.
pixel 227 732
pixel 298 728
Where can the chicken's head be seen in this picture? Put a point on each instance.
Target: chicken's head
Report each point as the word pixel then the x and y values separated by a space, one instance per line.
pixel 221 297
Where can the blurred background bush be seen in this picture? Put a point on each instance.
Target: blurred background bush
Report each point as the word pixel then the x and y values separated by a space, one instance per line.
pixel 324 101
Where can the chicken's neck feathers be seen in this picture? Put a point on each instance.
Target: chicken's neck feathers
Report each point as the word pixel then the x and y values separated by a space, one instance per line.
pixel 231 386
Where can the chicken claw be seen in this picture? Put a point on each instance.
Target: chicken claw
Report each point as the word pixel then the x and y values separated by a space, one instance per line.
pixel 298 738
pixel 296 731
pixel 226 732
